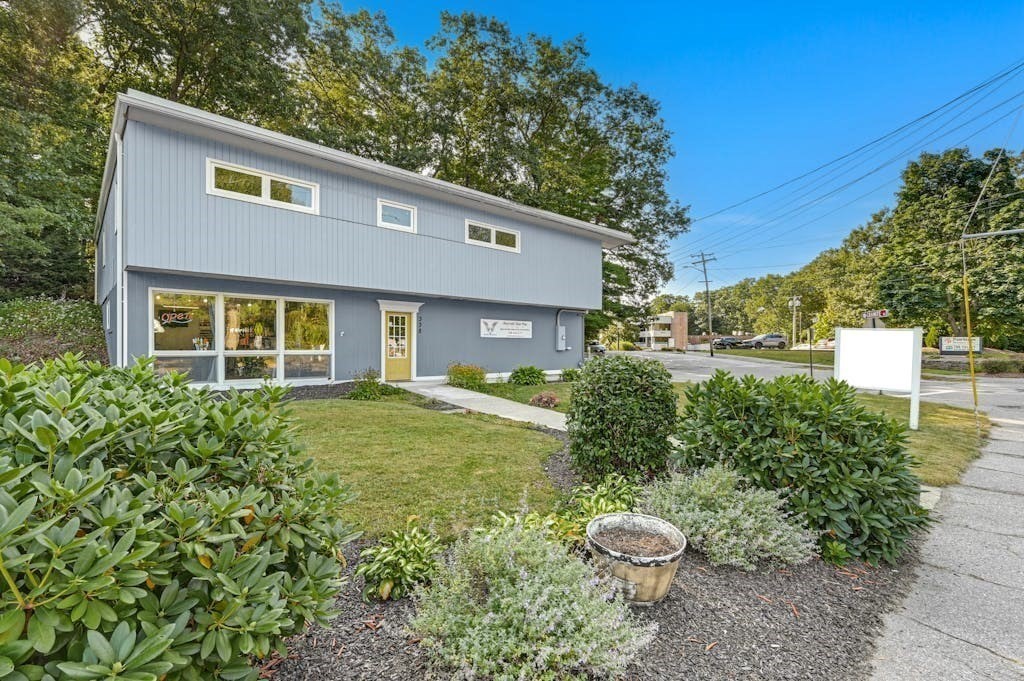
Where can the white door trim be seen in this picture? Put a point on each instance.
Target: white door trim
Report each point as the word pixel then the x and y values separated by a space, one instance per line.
pixel 398 306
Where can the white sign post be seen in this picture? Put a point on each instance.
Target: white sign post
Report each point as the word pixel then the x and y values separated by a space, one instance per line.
pixel 882 359
pixel 505 328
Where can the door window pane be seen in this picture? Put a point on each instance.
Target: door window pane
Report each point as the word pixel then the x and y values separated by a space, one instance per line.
pixel 478 233
pixel 307 366
pixel 201 369
pixel 291 193
pixel 233 180
pixel 306 326
pixel 183 321
pixel 398 346
pixel 506 239
pixel 250 324
pixel 250 368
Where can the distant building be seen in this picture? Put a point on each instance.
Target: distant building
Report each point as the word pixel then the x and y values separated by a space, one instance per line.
pixel 666 330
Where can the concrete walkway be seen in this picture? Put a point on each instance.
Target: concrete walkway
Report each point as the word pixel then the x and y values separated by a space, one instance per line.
pixel 964 618
pixel 487 404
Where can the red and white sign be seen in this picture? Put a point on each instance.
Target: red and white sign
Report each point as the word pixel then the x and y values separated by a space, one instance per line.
pixel 875 314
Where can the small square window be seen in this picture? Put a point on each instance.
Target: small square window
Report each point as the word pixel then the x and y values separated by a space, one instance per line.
pixel 478 233
pixel 291 193
pixel 231 180
pixel 506 239
pixel 396 215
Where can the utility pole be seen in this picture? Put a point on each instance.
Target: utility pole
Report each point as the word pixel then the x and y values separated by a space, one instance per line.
pixel 703 261
pixel 794 304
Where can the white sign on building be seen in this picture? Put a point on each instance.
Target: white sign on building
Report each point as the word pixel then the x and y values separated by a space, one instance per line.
pixel 505 328
pixel 882 359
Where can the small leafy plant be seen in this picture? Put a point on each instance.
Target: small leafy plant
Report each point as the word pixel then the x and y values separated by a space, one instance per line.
pixel 513 605
pixel 468 376
pixel 728 522
pixel 621 417
pixel 527 375
pixel 844 469
pixel 402 559
pixel 546 399
pixel 569 375
pixel 368 386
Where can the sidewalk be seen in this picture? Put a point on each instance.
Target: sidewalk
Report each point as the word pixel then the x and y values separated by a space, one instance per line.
pixel 964 618
pixel 487 404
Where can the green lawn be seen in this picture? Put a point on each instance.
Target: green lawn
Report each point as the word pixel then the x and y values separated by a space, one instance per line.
pixel 823 357
pixel 453 470
pixel 523 393
pixel 946 443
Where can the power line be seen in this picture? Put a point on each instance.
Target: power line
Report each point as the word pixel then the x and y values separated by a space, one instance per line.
pixel 704 259
pixel 1002 74
pixel 726 240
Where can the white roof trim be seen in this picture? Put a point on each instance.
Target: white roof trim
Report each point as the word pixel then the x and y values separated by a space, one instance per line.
pixel 610 238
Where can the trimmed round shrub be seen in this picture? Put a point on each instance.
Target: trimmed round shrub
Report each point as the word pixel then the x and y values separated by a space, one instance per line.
pixel 728 522
pixel 513 605
pixel 468 376
pixel 527 375
pixel 1001 366
pixel 844 469
pixel 152 531
pixel 622 414
pixel 546 399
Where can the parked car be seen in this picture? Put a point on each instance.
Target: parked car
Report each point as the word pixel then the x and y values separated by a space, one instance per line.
pixel 766 340
pixel 596 349
pixel 726 342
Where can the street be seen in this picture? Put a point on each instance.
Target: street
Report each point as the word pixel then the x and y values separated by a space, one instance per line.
pixel 1002 398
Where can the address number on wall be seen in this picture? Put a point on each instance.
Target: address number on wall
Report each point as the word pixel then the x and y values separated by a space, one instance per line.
pixel 505 328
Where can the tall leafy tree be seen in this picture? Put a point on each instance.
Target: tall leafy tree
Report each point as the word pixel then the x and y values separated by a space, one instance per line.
pixel 363 93
pixel 51 141
pixel 226 56
pixel 921 262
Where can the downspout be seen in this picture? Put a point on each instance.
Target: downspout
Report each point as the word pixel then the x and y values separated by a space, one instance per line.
pixel 122 275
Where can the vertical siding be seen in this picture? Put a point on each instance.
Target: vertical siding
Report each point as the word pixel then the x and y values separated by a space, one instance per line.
pixel 106 280
pixel 449 330
pixel 173 224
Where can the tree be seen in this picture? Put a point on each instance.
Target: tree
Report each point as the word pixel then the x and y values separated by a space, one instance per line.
pixel 51 160
pixel 921 266
pixel 226 56
pixel 362 93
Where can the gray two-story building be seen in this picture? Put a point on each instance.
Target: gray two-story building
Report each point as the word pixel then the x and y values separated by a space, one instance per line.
pixel 238 254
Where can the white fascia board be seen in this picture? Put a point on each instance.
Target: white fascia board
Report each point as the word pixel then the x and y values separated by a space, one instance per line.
pixel 144 106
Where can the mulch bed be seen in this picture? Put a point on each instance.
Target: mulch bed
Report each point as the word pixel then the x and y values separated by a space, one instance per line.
pixel 810 621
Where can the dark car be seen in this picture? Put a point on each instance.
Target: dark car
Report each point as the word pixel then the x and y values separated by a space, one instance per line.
pixel 726 342
pixel 596 349
pixel 766 340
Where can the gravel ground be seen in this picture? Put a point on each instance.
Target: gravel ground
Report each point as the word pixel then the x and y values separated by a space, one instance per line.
pixel 811 621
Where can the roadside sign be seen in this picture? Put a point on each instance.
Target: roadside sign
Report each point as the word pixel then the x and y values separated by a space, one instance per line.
pixel 957 345
pixel 875 314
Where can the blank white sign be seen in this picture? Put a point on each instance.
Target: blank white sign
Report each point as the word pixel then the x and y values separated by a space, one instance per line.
pixel 881 359
pixel 877 359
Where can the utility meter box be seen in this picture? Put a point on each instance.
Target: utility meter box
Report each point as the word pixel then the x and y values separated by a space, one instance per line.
pixel 560 338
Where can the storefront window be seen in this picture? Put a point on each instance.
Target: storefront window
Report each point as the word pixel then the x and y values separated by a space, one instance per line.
pixel 306 326
pixel 200 369
pixel 250 324
pixel 250 367
pixel 184 321
pixel 307 366
pixel 217 338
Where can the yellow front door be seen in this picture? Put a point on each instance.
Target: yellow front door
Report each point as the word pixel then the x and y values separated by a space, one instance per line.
pixel 398 346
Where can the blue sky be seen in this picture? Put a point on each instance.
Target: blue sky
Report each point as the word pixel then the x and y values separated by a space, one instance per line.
pixel 758 93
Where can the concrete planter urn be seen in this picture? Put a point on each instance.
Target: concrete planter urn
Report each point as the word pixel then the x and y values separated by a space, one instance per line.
pixel 640 552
